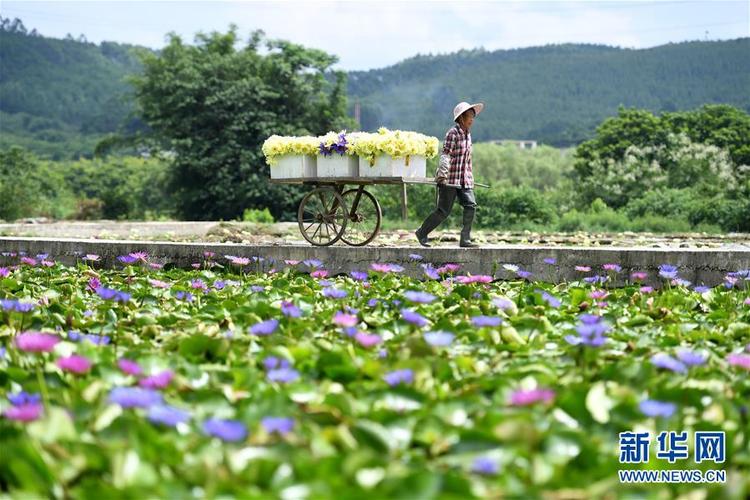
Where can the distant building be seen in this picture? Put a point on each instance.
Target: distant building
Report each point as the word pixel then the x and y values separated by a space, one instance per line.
pixel 522 144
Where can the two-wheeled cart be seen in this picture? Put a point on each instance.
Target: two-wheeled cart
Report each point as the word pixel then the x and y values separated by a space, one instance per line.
pixel 330 212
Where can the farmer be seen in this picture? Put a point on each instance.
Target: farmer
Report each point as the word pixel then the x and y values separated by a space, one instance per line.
pixel 454 177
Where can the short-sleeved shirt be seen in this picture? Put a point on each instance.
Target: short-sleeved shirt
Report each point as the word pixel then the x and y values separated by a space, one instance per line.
pixel 457 146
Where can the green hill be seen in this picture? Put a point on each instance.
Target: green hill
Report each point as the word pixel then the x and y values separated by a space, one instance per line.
pixel 59 97
pixel 556 94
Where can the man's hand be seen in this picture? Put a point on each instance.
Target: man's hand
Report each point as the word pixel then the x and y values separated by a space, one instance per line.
pixel 441 180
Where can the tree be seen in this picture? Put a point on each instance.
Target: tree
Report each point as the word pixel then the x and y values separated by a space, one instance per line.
pixel 214 105
pixel 707 149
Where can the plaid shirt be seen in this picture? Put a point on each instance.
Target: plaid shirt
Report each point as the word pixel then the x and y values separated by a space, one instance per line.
pixel 458 147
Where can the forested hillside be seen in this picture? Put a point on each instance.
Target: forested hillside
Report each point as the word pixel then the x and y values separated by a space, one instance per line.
pixel 58 98
pixel 555 94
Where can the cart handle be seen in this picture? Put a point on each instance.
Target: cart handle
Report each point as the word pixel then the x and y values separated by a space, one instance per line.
pixel 459 186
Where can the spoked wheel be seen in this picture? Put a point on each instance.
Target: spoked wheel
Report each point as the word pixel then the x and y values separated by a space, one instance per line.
pixel 322 216
pixel 364 216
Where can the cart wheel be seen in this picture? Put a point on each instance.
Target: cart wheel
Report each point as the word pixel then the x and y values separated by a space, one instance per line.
pixel 364 217
pixel 322 216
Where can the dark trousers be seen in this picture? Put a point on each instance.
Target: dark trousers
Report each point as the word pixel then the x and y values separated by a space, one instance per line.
pixel 446 196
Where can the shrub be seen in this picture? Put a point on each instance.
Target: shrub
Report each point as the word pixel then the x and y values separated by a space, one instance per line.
pixel 730 215
pixel 28 188
pixel 89 209
pixel 665 202
pixel 504 208
pixel 659 224
pixel 255 215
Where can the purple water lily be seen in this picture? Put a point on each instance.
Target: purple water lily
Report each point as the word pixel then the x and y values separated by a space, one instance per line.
pixel 186 296
pixel 226 430
pixel 667 362
pixel 289 310
pixel 312 263
pixel 612 267
pixel 691 358
pixel 23 398
pixel 358 275
pixel 26 407
pixel 591 331
pixel 413 317
pixel 419 297
pixel 16 305
pixel 167 415
pixel 485 466
pixel 113 295
pixel 596 279
pixel 396 377
pixel 439 338
pixel 280 425
pixel 668 271
pixel 273 362
pixel 127 259
pixel 550 299
pixel 283 375
pixel 430 271
pixel 134 397
pixel 503 303
pixel 655 408
pixel 264 327
pixel 334 293
pixel 482 321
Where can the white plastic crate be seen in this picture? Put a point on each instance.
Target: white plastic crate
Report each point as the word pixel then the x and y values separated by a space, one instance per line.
pixel 387 166
pixel 417 166
pixel 337 165
pixel 294 167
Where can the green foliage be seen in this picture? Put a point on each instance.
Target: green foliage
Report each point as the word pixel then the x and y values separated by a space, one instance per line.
pixel 718 125
pixel 30 188
pixel 523 397
pixel 214 105
pixel 504 208
pixel 117 188
pixel 638 152
pixel 662 139
pixel 255 215
pixel 556 94
pixel 542 168
pixel 609 220
pixel 729 214
pixel 666 202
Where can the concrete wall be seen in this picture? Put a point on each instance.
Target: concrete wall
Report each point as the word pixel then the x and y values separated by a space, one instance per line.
pixel 700 266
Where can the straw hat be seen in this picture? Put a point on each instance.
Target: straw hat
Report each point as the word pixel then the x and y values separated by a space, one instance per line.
pixel 463 106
